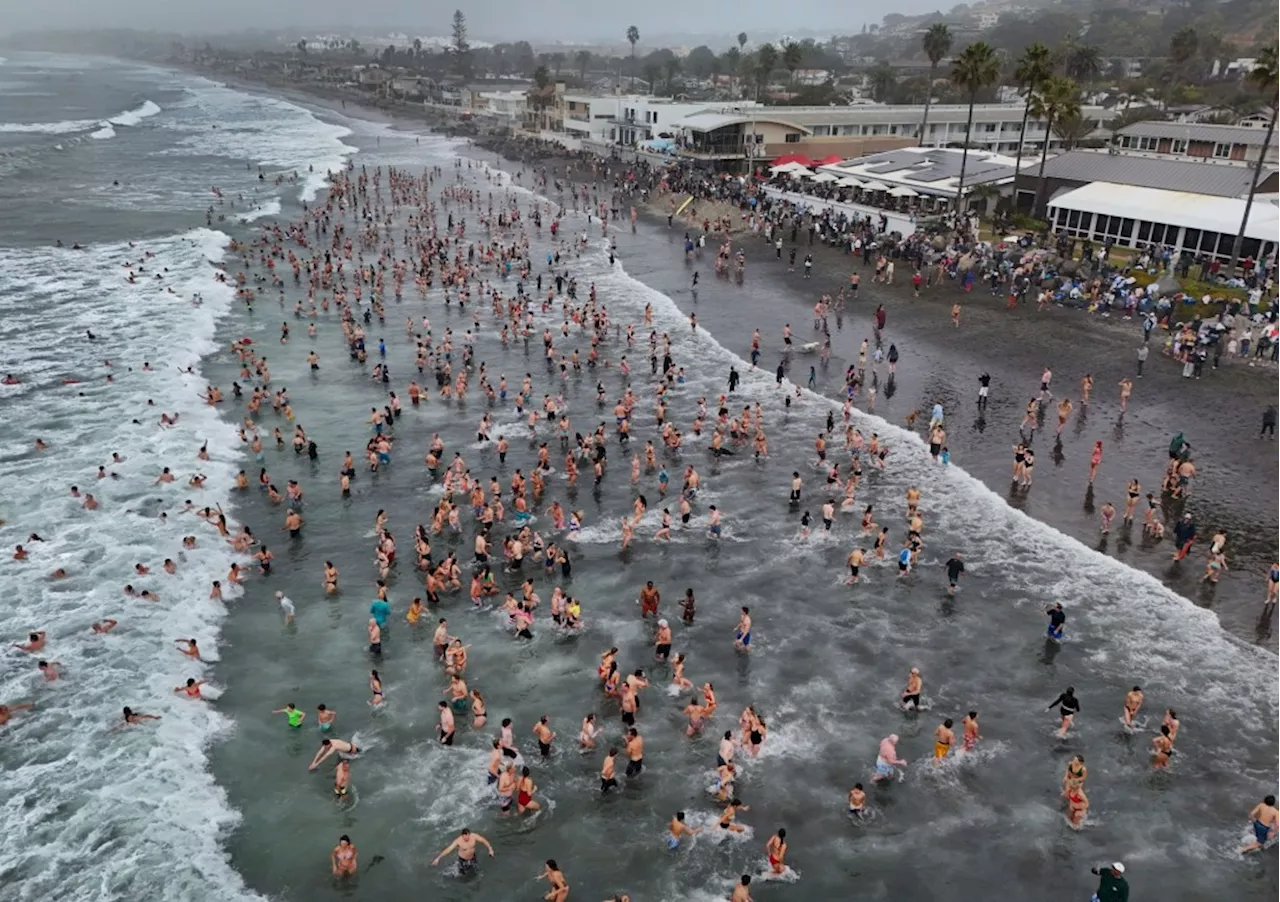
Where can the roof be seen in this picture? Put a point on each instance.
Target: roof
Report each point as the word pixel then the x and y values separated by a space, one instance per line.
pixel 1191 131
pixel 1179 208
pixel 707 121
pixel 1144 172
pixel 928 170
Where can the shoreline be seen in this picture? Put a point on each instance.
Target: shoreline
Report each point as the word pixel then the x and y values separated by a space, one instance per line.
pixel 725 333
pixel 1223 493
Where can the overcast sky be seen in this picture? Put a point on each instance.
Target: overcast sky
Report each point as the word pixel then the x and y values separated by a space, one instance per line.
pixel 544 20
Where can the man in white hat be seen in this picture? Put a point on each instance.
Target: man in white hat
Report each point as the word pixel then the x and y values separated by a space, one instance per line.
pixel 285 605
pixel 1112 887
pixel 662 642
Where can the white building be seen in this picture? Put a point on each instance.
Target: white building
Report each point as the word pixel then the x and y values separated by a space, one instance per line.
pixel 995 125
pixel 1131 215
pixel 630 119
pixel 504 106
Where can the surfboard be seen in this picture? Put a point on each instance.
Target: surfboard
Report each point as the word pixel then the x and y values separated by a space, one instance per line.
pixel 680 209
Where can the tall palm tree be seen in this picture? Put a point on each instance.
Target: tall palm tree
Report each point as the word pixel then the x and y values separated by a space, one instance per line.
pixel 671 68
pixel 1034 67
pixel 584 60
pixel 732 63
pixel 1264 78
pixel 1083 62
pixel 633 38
pixel 976 68
pixel 742 41
pixel 767 56
pixel 792 56
pixel 937 44
pixel 1058 98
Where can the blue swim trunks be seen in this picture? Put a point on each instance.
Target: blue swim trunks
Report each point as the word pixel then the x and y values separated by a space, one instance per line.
pixel 672 842
pixel 744 638
pixel 883 769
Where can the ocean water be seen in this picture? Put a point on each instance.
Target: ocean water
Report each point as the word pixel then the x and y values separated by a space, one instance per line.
pixel 222 787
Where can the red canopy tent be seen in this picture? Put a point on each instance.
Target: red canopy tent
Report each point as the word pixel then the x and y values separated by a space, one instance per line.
pixel 827 161
pixel 792 158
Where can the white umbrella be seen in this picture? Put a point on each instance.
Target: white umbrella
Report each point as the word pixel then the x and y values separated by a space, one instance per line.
pixel 805 174
pixel 903 191
pixel 825 177
pixel 784 167
pixel 875 186
pixel 850 182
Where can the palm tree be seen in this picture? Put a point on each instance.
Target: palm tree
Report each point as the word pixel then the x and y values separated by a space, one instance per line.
pixel 583 58
pixel 1034 67
pixel 937 44
pixel 880 79
pixel 742 41
pixel 976 68
pixel 1264 78
pixel 1182 50
pixel 671 68
pixel 767 56
pixel 651 71
pixel 732 63
pixel 633 38
pixel 1083 62
pixel 1058 98
pixel 792 55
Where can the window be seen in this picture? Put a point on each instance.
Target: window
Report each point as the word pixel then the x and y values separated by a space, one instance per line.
pixel 1144 231
pixel 1141 143
pixel 819 130
pixel 1191 240
pixel 989 126
pixel 1073 219
pixel 1222 151
pixel 1179 146
pixel 793 137
pixel 1126 229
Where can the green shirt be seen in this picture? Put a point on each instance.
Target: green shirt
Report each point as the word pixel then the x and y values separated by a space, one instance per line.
pixel 295 717
pixel 1112 888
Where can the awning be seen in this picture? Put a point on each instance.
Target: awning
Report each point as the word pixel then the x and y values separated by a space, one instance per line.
pixel 850 182
pixel 834 158
pixel 824 177
pixel 874 186
pixel 903 191
pixel 792 158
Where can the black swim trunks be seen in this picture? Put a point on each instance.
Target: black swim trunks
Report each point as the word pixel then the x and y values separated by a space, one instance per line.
pixel 634 767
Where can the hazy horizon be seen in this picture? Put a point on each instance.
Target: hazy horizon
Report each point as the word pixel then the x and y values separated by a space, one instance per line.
pixel 549 20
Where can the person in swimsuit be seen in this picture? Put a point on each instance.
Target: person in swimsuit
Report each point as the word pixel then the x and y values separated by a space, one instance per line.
pixel 1068 707
pixel 1074 776
pixel 730 812
pixel 329 747
pixel 1077 807
pixel 776 850
pixel 525 789
pixel 375 686
pixel 344 860
pixel 857 800
pixel 911 694
pixel 943 737
pixel 970 726
pixel 742 637
pixel 1057 619
pixel 465 845
pixel 1266 820
pixel 1162 748
pixel 678 829
pixel 325 718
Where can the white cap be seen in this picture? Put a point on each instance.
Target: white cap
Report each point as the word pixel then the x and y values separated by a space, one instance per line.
pixel 1117 867
pixel 662 623
pixel 893 737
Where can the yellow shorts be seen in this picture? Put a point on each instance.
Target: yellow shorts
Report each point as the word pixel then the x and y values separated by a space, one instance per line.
pixel 941 749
